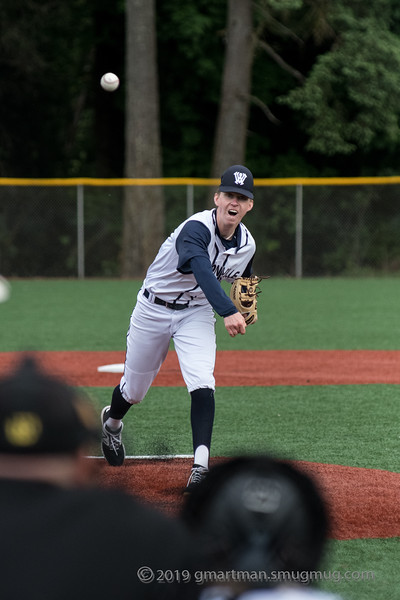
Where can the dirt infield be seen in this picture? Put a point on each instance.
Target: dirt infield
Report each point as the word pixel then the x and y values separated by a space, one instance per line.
pixel 363 502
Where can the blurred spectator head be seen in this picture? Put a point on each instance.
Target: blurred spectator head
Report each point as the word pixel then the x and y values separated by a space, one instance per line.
pixel 255 513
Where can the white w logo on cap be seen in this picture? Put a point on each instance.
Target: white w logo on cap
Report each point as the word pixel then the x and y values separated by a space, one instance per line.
pixel 239 177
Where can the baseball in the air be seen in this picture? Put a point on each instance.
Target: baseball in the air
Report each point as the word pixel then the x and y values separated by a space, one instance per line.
pixel 109 82
pixel 5 289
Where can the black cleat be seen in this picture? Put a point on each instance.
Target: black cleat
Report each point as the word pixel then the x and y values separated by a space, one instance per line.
pixel 111 442
pixel 197 474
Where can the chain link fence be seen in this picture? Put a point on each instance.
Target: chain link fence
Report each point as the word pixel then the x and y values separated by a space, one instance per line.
pixel 73 228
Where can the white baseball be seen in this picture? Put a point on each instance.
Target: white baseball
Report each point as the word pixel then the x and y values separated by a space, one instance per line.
pixel 109 82
pixel 5 289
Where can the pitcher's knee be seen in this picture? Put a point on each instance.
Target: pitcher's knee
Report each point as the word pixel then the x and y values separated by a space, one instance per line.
pixel 131 392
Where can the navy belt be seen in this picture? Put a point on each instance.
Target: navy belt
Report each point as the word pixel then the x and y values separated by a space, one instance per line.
pixel 171 305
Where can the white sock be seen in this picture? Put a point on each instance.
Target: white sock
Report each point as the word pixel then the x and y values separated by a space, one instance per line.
pixel 201 456
pixel 113 424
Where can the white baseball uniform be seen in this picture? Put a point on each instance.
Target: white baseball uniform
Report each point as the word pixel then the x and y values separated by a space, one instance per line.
pixel 172 305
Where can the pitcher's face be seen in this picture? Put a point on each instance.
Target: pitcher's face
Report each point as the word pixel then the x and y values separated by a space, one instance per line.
pixel 231 208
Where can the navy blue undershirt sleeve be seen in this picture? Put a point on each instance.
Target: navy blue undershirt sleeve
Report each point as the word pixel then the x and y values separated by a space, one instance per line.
pixel 192 241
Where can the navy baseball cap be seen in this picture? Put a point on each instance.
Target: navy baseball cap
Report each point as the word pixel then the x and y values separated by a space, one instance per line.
pixel 237 179
pixel 40 414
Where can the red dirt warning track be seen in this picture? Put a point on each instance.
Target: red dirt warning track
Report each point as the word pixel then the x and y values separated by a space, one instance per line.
pixel 363 502
pixel 236 368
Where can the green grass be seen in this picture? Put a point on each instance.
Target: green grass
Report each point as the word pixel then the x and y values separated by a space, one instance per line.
pixel 293 314
pixel 349 425
pixel 67 315
pixel 324 314
pixel 346 425
pixel 369 569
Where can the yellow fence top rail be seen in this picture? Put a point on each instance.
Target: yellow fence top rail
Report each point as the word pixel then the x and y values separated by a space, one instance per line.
pixel 289 181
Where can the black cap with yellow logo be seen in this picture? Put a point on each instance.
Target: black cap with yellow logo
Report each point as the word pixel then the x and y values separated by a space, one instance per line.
pixel 40 414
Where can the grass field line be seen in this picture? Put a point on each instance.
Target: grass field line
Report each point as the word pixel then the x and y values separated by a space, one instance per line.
pixel 152 456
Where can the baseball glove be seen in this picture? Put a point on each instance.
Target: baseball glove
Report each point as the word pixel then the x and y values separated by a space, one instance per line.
pixel 243 293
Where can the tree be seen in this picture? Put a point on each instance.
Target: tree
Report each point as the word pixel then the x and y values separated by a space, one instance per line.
pixel 143 219
pixel 231 132
pixel 349 98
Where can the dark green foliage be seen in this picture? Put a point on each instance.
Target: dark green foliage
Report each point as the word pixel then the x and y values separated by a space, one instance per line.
pixel 46 61
pixel 349 99
pixel 191 51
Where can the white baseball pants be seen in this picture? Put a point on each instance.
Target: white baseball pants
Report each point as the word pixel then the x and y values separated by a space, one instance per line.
pixel 148 339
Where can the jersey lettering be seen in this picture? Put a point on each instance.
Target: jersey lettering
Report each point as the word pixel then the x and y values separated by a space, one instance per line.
pixel 221 273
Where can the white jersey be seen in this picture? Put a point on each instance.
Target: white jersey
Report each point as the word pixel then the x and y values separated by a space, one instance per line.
pixel 164 280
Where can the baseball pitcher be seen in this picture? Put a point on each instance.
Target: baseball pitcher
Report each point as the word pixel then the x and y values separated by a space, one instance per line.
pixel 178 300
